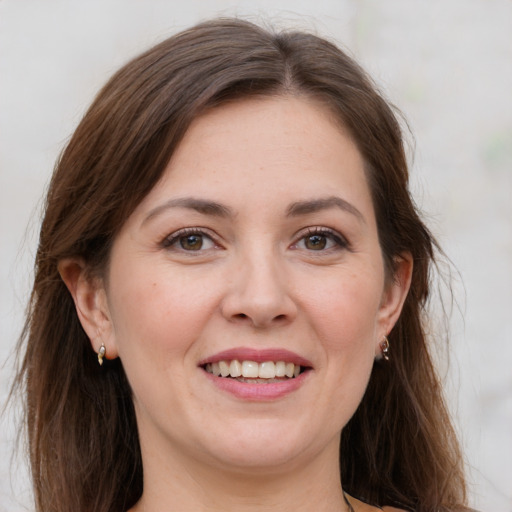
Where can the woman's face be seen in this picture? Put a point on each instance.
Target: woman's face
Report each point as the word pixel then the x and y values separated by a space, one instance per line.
pixel 259 244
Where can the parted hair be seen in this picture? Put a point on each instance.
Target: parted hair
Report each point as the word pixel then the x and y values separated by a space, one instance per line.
pixel 398 449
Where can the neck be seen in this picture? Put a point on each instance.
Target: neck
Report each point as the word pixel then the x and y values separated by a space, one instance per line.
pixel 179 483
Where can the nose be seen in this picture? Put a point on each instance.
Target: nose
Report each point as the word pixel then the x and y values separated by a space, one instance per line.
pixel 259 293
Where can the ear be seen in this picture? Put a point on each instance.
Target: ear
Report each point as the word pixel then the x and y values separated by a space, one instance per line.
pixel 393 298
pixel 91 304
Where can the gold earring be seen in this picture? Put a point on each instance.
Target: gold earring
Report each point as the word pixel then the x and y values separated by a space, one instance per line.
pixel 101 353
pixel 384 348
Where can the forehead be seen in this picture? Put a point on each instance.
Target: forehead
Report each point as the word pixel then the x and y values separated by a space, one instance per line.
pixel 253 151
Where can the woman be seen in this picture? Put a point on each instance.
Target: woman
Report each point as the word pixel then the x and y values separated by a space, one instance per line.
pixel 229 296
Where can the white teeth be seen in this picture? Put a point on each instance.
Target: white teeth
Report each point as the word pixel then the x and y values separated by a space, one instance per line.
pixel 251 371
pixel 258 381
pixel 235 368
pixel 215 369
pixel 267 370
pixel 280 369
pixel 224 368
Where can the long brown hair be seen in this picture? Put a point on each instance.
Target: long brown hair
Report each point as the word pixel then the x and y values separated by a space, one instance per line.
pixel 399 448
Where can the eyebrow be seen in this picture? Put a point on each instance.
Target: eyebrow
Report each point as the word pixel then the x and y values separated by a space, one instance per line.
pixel 215 209
pixel 199 205
pixel 323 203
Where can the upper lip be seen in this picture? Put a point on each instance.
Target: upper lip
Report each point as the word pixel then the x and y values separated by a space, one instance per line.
pixel 257 355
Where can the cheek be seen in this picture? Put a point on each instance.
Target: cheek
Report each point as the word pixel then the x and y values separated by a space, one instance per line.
pixel 346 312
pixel 345 320
pixel 157 318
pixel 156 313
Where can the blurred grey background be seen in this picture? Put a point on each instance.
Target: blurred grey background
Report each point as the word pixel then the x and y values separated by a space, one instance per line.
pixel 447 64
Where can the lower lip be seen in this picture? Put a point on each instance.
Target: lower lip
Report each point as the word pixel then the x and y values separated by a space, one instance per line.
pixel 258 392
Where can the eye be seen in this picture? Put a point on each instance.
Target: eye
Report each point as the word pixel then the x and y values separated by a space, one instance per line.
pixel 189 240
pixel 321 239
pixel 316 242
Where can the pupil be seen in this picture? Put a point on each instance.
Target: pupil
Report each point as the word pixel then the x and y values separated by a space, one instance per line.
pixel 316 242
pixel 191 242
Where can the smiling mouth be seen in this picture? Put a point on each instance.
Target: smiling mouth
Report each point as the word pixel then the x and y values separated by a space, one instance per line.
pixel 255 373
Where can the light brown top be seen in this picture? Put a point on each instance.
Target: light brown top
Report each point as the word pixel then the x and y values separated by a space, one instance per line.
pixel 360 506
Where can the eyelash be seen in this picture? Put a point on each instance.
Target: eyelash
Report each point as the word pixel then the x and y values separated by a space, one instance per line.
pixel 339 241
pixel 174 238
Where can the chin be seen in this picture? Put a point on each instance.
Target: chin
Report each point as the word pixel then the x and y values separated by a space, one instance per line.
pixel 256 460
pixel 265 445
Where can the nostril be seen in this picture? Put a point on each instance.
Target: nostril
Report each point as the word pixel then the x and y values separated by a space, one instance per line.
pixel 243 316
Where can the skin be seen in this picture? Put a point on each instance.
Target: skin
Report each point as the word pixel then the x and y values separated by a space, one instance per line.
pixel 259 274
